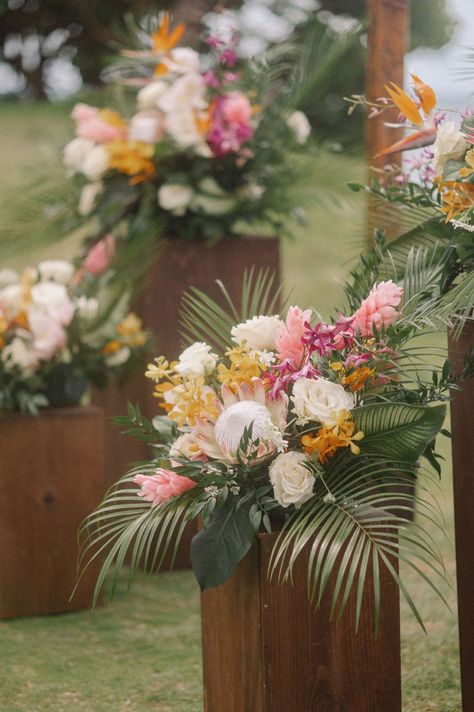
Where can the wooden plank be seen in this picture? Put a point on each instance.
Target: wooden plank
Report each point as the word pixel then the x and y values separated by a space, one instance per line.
pixel 388 24
pixel 303 662
pixel 51 477
pixel 462 426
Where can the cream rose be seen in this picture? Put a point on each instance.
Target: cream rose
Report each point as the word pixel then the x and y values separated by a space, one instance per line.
pixel 292 480
pixel 182 60
pixel 300 126
pixel 197 360
pixel 146 126
pixel 59 271
pixel 53 299
pixel 149 96
pixel 186 446
pixel 450 144
pixel 316 399
pixel 76 152
pixel 183 128
pixel 259 333
pixel 88 197
pixel 175 197
pixel 95 163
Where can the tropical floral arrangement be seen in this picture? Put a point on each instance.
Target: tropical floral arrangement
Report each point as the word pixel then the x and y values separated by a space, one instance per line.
pixel 208 148
pixel 313 428
pixel 435 191
pixel 61 327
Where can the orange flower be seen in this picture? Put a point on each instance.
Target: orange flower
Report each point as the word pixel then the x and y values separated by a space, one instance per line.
pixel 131 330
pixel 111 347
pixel 356 380
pixel 132 158
pixel 163 40
pixel 457 197
pixel 244 366
pixel 331 437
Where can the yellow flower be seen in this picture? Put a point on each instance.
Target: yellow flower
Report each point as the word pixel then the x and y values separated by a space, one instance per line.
pixel 356 380
pixel 111 347
pixel 113 118
pixel 131 330
pixel 244 366
pixel 160 369
pixel 469 158
pixel 329 438
pixel 457 197
pixel 189 401
pixel 132 158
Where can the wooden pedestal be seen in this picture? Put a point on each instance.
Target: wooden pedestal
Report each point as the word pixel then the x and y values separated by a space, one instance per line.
pixel 51 477
pixel 462 426
pixel 181 264
pixel 266 648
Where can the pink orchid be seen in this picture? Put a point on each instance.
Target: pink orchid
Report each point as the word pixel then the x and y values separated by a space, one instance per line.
pixel 378 309
pixel 100 256
pixel 162 486
pixel 289 340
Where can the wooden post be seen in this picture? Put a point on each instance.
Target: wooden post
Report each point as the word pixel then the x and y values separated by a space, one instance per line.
pixel 462 426
pixel 388 23
pixel 51 477
pixel 266 648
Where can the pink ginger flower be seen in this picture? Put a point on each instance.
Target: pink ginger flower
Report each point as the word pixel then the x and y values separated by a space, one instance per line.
pixel 289 340
pixel 91 124
pixel 378 309
pixel 162 486
pixel 100 255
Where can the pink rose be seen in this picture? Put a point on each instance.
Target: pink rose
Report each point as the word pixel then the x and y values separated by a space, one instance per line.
pixel 236 108
pixel 162 486
pixel 84 112
pixel 378 309
pixel 100 255
pixel 91 124
pixel 289 340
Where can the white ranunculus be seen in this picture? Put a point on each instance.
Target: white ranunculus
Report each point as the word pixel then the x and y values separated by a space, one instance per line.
pixel 95 163
pixel 75 153
pixel 259 333
pixel 182 60
pixel 185 94
pixel 450 144
pixel 87 308
pixel 146 126
pixel 59 271
pixel 316 399
pixel 292 480
pixel 196 360
pixel 175 197
pixel 182 127
pixel 20 354
pixel 300 126
pixel 8 277
pixel 53 299
pixel 88 197
pixel 119 357
pixel 149 96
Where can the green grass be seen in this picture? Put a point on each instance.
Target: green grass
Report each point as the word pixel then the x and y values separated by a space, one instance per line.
pixel 142 651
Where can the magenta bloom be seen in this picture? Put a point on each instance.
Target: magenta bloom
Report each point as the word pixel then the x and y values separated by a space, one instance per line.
pixel 378 309
pixel 289 340
pixel 162 486
pixel 100 255
pixel 230 127
pixel 236 108
pixel 325 338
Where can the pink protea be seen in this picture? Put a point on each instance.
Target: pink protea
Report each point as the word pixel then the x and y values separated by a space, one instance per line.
pixel 100 256
pixel 162 486
pixel 289 340
pixel 378 309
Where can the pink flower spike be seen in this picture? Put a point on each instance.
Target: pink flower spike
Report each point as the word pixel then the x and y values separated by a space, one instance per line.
pixel 289 340
pixel 84 112
pixel 100 256
pixel 162 486
pixel 378 309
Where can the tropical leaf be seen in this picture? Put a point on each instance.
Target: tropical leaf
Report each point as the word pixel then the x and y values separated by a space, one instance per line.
pixel 398 431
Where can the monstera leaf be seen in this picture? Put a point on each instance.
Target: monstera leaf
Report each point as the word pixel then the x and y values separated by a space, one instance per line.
pixel 398 431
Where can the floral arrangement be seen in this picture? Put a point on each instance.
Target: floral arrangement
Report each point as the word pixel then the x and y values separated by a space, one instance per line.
pixel 292 423
pixel 208 150
pixel 61 327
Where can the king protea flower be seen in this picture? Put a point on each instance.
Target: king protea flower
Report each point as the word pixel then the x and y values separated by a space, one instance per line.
pixel 219 438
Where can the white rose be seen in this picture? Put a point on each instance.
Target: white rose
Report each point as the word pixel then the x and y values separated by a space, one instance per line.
pixel 146 127
pixel 292 480
pixel 259 333
pixel 182 127
pixel 196 360
pixel 450 144
pixel 316 399
pixel 88 197
pixel 87 308
pixel 185 446
pixel 53 299
pixel 185 94
pixel 95 163
pixel 20 354
pixel 59 271
pixel 182 60
pixel 49 336
pixel 75 153
pixel 175 197
pixel 12 298
pixel 300 125
pixel 119 357
pixel 149 96
pixel 8 277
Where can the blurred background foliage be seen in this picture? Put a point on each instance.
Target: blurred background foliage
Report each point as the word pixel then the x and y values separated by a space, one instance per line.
pixel 52 49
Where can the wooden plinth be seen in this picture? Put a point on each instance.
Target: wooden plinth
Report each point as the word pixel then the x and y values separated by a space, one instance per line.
pixel 181 264
pixel 267 649
pixel 51 477
pixel 462 426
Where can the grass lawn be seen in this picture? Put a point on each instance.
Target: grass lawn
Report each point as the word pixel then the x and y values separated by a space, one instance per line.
pixel 143 650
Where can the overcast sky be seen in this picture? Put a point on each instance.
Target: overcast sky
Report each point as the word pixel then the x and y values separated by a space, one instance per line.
pixel 438 67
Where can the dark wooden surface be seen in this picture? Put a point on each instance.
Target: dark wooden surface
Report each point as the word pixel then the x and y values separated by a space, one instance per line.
pixel 386 46
pixel 462 426
pixel 270 636
pixel 51 477
pixel 180 264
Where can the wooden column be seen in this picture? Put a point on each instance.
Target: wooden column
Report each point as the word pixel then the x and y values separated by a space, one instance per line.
pixel 388 24
pixel 462 426
pixel 51 477
pixel 267 649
